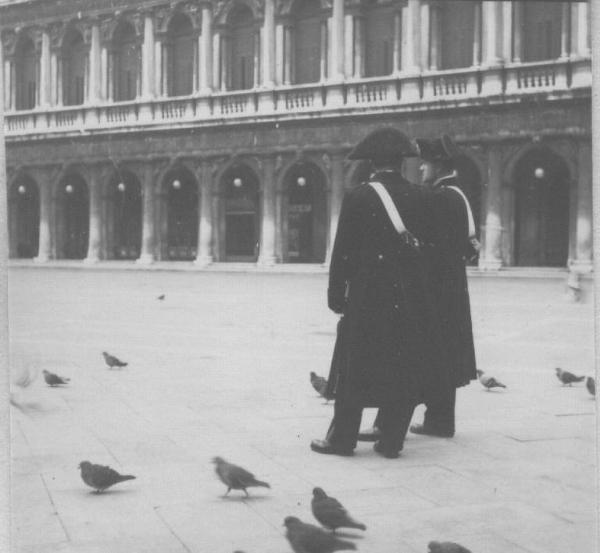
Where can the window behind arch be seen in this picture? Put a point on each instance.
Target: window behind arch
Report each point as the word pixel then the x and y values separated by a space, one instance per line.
pixel 379 40
pixel 26 75
pixel 127 63
pixel 74 64
pixel 541 30
pixel 241 28
pixel 307 41
pixel 180 56
pixel 457 34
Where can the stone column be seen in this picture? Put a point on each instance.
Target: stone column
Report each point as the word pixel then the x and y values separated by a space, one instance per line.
pixel 324 49
pixel 493 41
pixel 434 37
pixel 517 32
pixel 205 221
pixel 148 63
pixel 147 250
pixel 359 47
pixel 349 45
pixel 565 48
pixel 216 65
pixel 337 41
pixel 223 61
pixel 257 69
pixel 287 61
pixel 158 69
pixel 411 51
pixel 53 78
pixel 580 14
pixel 45 236
pixel 45 72
pixel 507 31
pixel 94 89
pixel 584 225
pixel 279 53
pixel 9 96
pixel 477 38
pixel 335 200
pixel 397 63
pixel 206 52
pixel 425 36
pixel 95 228
pixel 268 45
pixel 492 254
pixel 267 236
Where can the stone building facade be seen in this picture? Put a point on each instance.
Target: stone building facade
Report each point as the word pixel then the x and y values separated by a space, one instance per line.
pixel 217 131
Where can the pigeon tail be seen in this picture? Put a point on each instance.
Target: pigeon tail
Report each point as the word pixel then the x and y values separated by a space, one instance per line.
pixel 579 379
pixel 355 524
pixel 341 545
pixel 123 477
pixel 261 483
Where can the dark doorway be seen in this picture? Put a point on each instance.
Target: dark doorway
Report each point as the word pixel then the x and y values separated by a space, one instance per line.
pixel 182 216
pixel 126 219
pixel 74 199
pixel 24 218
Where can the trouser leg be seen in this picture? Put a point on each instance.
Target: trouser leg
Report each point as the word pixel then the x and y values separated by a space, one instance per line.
pixel 439 414
pixel 344 427
pixel 394 420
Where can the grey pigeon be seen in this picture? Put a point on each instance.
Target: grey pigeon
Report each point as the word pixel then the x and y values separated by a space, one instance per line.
pixel 446 547
pixel 566 377
pixel 331 513
pixel 590 384
pixel 101 477
pixel 236 478
pixel 307 538
pixel 53 379
pixel 161 297
pixel 319 384
pixel 113 361
pixel 489 382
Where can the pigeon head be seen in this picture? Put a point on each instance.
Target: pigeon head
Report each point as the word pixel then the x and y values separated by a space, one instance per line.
pixel 434 546
pixel 479 372
pixel 558 370
pixel 313 374
pixel 319 493
pixel 218 460
pixel 290 521
pixel 84 464
pixel 45 371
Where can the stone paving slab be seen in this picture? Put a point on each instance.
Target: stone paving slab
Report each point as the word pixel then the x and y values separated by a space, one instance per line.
pixel 221 368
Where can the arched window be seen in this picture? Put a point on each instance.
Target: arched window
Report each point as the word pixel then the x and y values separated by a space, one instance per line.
pixel 74 64
pixel 24 218
pixel 379 22
pixel 456 34
pixel 541 30
pixel 241 40
pixel 125 216
pixel 182 215
pixel 73 217
pixel 126 63
pixel 26 74
pixel 180 49
pixel 307 41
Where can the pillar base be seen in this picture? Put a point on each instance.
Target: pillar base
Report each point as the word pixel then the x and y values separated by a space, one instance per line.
pixel 267 261
pixel 491 82
pixel 581 267
pixel 91 260
pixel 145 259
pixel 490 264
pixel 42 258
pixel 203 260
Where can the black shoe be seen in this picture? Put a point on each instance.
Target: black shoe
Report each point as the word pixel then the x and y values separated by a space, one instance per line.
pixel 386 451
pixel 327 448
pixel 370 435
pixel 422 429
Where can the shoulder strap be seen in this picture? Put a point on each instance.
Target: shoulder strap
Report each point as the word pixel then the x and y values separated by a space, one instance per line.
pixel 389 206
pixel 472 232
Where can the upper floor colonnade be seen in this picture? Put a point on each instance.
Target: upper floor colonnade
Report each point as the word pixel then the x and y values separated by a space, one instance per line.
pixel 192 48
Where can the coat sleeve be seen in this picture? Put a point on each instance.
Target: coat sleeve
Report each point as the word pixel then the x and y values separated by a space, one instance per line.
pixel 344 255
pixel 450 221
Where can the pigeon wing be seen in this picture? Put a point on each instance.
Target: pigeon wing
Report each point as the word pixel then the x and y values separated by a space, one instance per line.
pixel 240 477
pixel 312 539
pixel 330 512
pixel 105 476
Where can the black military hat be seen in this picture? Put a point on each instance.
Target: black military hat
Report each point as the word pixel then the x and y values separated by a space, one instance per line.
pixel 438 149
pixel 384 145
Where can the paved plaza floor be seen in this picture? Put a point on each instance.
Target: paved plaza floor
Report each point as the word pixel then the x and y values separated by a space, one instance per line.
pixel 221 367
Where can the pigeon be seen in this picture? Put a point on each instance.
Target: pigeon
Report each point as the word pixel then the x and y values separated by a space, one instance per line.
pixel 161 297
pixel 566 377
pixel 101 477
pixel 319 384
pixel 590 384
pixel 307 538
pixel 113 361
pixel 236 478
pixel 446 547
pixel 489 382
pixel 53 379
pixel 331 513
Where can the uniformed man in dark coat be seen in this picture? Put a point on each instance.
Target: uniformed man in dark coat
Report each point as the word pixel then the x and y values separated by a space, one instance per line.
pixel 451 242
pixel 391 349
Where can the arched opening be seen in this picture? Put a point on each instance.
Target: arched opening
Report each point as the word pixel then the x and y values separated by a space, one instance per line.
pixel 541 180
pixel 306 61
pixel 24 218
pixel 26 74
pixel 240 215
pixel 305 207
pixel 74 217
pixel 125 216
pixel 457 34
pixel 469 181
pixel 126 62
pixel 73 65
pixel 181 192
pixel 379 21
pixel 242 48
pixel 180 50
pixel 541 30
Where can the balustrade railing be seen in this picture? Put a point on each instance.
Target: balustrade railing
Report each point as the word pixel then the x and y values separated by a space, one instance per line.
pixel 432 86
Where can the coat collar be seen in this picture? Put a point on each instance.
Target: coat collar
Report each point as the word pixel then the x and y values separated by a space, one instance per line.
pixel 440 182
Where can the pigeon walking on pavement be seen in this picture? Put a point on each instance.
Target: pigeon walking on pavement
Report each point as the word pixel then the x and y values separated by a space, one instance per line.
pixel 446 547
pixel 161 297
pixel 307 538
pixel 489 382
pixel 101 477
pixel 319 384
pixel 235 477
pixel 590 384
pixel 53 379
pixel 567 378
pixel 113 361
pixel 331 513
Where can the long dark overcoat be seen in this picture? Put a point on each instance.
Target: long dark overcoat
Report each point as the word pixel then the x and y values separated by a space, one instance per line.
pixel 391 349
pixel 446 262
